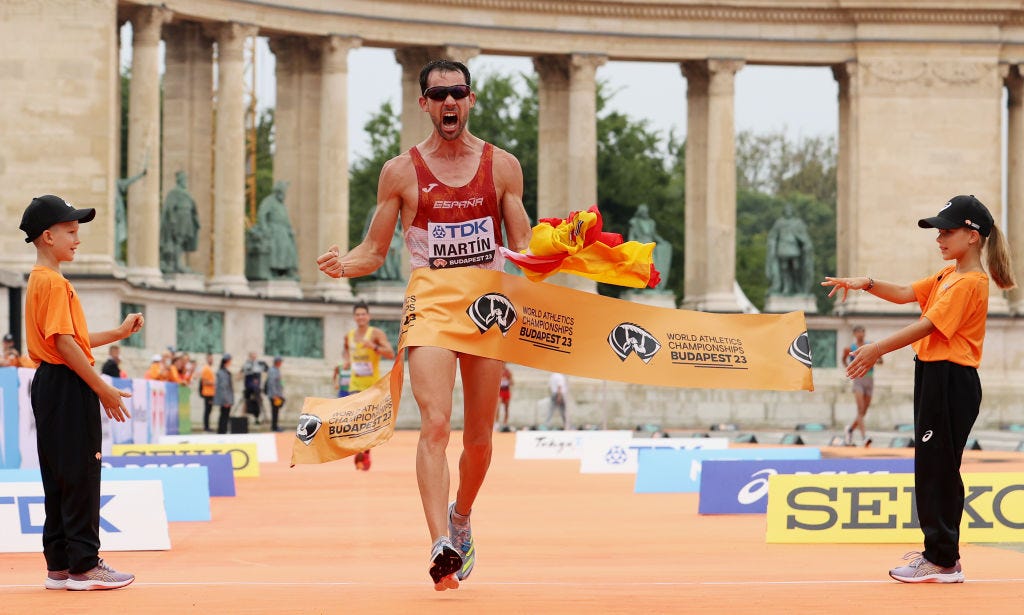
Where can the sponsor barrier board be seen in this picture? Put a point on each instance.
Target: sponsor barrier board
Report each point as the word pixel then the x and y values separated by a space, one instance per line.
pixel 218 468
pixel 266 443
pixel 620 456
pixel 728 487
pixel 880 508
pixel 132 516
pixel 678 471
pixel 243 456
pixel 186 490
pixel 560 444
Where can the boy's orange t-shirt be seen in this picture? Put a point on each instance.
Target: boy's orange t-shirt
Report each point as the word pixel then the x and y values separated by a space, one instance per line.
pixel 957 304
pixel 51 308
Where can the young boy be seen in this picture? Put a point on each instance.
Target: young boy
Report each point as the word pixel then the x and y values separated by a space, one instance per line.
pixel 65 393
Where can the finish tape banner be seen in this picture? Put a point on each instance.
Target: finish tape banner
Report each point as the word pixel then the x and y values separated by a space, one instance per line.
pixel 880 508
pixel 500 316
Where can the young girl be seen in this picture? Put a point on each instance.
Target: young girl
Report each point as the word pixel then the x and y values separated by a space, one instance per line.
pixel 947 392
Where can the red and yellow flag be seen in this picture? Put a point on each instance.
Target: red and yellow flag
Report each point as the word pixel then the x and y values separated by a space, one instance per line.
pixel 578 245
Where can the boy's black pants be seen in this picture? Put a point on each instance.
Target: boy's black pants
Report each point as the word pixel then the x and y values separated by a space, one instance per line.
pixel 947 397
pixel 68 439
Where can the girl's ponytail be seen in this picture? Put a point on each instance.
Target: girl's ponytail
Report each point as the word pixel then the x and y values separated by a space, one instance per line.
pixel 998 260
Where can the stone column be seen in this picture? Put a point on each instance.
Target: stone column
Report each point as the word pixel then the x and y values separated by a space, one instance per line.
pixel 229 161
pixel 710 186
pixel 1015 181
pixel 332 205
pixel 582 129
pixel 143 198
pixel 552 136
pixel 416 124
pixel 188 127
pixel 297 141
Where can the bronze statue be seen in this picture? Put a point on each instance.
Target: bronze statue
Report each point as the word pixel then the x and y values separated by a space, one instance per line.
pixel 179 226
pixel 271 241
pixel 789 264
pixel 121 215
pixel 643 229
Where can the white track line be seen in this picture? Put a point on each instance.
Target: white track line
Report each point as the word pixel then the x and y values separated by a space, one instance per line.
pixel 650 584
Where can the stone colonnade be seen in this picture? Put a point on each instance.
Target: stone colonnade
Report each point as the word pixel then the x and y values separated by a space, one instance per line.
pixel 203 134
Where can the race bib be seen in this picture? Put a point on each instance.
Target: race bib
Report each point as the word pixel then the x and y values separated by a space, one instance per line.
pixel 362 368
pixel 461 244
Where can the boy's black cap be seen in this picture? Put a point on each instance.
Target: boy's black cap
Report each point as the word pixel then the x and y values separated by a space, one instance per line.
pixel 47 210
pixel 964 210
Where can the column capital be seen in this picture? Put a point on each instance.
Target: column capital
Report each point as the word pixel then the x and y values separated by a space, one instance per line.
pixel 460 53
pixel 845 75
pixel 585 61
pixel 1014 85
pixel 551 67
pixel 230 37
pixel 414 58
pixel 147 23
pixel 335 48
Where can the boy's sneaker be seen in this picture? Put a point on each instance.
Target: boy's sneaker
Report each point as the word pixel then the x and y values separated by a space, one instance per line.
pixel 444 563
pixel 920 570
pixel 100 577
pixel 849 435
pixel 56 579
pixel 462 538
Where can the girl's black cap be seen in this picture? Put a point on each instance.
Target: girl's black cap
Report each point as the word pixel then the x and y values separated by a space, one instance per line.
pixel 964 210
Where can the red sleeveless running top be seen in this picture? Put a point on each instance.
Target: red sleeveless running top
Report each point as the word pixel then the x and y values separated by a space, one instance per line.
pixel 456 226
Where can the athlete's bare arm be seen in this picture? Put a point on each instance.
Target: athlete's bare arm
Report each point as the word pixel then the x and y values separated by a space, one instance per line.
pixel 508 182
pixel 392 192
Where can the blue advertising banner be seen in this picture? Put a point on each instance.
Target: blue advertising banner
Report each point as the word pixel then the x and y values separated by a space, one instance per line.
pixel 186 495
pixel 731 487
pixel 678 471
pixel 218 468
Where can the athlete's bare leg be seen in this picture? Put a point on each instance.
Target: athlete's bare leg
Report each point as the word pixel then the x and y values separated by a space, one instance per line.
pixel 432 377
pixel 480 378
pixel 863 401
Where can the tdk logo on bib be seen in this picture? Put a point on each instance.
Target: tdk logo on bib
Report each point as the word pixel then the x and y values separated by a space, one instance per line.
pixel 461 244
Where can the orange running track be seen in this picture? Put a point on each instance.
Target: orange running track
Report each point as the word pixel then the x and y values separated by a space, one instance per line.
pixel 328 539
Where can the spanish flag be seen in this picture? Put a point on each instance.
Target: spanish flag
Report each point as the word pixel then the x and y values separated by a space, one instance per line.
pixel 578 245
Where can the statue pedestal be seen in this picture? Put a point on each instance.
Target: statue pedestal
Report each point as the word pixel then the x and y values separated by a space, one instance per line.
pixel 779 304
pixel 185 281
pixel 386 292
pixel 656 298
pixel 277 288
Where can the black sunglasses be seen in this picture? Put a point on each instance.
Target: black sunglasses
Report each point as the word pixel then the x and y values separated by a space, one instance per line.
pixel 440 92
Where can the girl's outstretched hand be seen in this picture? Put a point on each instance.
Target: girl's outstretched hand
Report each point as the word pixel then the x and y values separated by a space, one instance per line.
pixel 846 284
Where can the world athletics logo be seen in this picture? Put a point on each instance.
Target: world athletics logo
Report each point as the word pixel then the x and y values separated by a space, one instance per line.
pixel 628 338
pixel 800 349
pixel 493 309
pixel 309 424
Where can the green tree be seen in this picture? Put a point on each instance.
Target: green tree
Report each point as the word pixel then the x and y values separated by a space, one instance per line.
pixel 264 155
pixel 772 170
pixel 384 131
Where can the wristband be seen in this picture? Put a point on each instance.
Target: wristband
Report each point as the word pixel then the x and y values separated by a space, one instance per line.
pixel 871 283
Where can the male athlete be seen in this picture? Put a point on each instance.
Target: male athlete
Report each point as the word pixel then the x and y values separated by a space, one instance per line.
pixel 451 177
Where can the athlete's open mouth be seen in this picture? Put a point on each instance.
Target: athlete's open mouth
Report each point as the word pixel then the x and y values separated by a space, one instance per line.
pixel 449 119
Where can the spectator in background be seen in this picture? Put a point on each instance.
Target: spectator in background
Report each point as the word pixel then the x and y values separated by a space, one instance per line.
pixel 342 377
pixel 9 344
pixel 112 366
pixel 559 392
pixel 181 369
pixel 275 391
pixel 253 370
pixel 207 387
pixel 224 393
pixel 504 395
pixel 155 370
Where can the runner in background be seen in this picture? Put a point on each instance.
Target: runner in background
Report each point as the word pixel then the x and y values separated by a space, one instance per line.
pixel 364 347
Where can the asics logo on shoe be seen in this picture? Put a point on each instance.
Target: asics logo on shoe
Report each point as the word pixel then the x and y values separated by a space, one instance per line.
pixel 429 187
pixel 927 436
